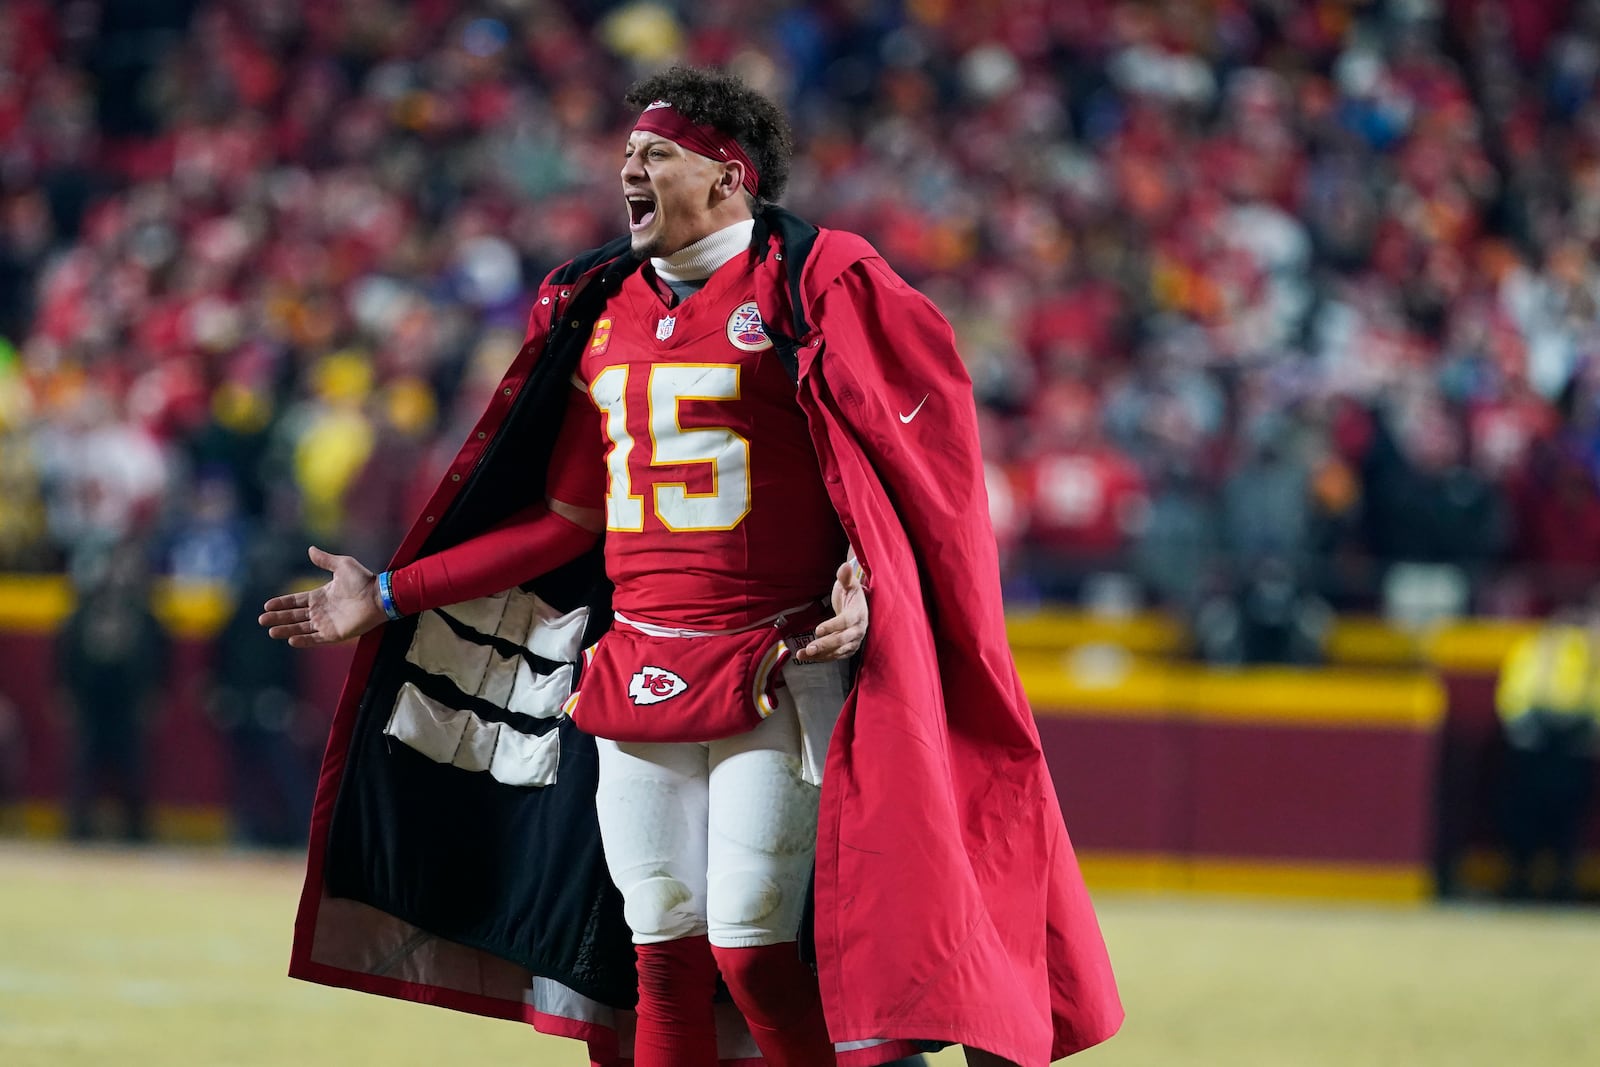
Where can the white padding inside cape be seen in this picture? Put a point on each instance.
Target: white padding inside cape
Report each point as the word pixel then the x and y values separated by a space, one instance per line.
pixel 437 650
pixel 482 672
pixel 540 695
pixel 478 741
pixel 461 739
pixel 485 614
pixel 554 635
pixel 498 680
pixel 518 617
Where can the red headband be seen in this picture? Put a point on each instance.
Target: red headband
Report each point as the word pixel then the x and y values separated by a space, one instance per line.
pixel 662 118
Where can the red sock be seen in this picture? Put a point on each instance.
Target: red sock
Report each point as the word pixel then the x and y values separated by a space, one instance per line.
pixel 677 980
pixel 778 996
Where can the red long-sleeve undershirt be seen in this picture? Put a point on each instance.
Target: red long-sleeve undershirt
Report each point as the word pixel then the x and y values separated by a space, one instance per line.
pixel 528 543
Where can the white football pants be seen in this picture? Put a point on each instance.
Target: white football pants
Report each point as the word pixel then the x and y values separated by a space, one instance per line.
pixel 718 837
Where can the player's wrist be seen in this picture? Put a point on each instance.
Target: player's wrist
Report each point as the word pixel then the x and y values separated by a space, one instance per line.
pixel 858 573
pixel 383 596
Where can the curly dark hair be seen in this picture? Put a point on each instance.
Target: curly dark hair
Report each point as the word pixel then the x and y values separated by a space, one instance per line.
pixel 716 98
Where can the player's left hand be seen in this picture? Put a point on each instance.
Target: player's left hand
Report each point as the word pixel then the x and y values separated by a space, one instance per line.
pixel 841 636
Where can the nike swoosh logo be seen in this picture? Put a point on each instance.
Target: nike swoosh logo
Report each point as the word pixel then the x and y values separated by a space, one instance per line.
pixel 908 418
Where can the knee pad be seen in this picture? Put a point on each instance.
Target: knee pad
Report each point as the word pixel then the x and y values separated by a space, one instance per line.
pixel 741 898
pixel 653 907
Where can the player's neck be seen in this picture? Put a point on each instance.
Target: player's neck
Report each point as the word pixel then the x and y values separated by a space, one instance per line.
pixel 698 261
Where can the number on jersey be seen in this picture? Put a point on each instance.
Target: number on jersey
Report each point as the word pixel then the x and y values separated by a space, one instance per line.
pixel 672 444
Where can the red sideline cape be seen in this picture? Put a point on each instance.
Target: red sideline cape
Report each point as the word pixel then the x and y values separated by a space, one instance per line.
pixel 949 904
pixel 941 845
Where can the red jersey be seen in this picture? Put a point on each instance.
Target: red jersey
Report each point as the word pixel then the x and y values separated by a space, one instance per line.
pixel 716 515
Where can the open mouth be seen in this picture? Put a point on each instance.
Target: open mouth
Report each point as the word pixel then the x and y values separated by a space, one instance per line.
pixel 641 212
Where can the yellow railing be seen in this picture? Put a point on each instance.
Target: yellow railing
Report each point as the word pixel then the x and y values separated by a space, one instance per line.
pixel 38 603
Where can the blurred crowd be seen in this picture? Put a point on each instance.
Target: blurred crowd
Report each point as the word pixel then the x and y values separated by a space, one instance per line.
pixel 1274 308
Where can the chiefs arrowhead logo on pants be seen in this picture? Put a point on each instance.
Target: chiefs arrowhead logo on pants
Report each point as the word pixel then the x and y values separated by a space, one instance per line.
pixel 652 685
pixel 719 685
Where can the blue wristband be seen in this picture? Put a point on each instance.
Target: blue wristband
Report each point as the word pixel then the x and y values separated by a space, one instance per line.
pixel 386 596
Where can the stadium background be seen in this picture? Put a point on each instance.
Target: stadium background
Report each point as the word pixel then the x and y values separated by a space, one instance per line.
pixel 1282 318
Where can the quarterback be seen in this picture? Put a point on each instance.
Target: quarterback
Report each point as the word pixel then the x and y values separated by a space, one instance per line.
pixel 622 731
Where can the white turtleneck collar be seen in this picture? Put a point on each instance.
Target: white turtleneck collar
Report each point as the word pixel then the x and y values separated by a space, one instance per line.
pixel 697 262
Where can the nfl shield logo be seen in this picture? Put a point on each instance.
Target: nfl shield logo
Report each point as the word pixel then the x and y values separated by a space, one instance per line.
pixel 664 327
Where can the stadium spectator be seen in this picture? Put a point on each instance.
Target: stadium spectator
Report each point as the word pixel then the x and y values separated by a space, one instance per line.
pixel 1266 500
pixel 208 537
pixel 1558 520
pixel 254 700
pixel 1084 498
pixel 23 541
pixel 1266 612
pixel 1177 557
pixel 111 658
pixel 1549 703
pixel 13 760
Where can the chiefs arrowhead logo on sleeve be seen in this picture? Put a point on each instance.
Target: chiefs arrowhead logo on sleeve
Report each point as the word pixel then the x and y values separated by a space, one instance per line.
pixel 652 685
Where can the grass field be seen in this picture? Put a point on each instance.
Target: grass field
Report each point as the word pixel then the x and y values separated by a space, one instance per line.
pixel 176 958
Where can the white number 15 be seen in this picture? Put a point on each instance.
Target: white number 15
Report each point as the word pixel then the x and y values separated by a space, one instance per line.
pixel 728 502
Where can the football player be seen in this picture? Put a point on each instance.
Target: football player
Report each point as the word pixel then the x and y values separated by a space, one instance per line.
pixel 757 444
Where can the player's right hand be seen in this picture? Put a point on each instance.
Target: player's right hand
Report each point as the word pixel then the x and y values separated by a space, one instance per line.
pixel 346 606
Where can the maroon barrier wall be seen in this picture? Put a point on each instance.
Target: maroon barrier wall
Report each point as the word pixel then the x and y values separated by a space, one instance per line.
pixel 187 758
pixel 1319 782
pixel 1250 773
pixel 1177 788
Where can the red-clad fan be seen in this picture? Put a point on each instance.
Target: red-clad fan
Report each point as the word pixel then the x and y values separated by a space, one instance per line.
pixel 1084 498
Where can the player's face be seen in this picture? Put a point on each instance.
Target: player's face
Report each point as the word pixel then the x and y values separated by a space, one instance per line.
pixel 670 194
